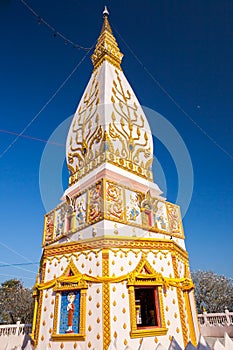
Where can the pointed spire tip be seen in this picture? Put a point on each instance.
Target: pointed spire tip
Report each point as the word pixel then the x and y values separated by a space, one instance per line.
pixel 105 12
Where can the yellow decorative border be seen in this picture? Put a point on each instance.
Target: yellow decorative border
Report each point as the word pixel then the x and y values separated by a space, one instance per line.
pixel 132 243
pixel 190 319
pixel 35 313
pixel 180 303
pixel 158 279
pixel 37 317
pixel 110 158
pixel 106 299
pixel 152 332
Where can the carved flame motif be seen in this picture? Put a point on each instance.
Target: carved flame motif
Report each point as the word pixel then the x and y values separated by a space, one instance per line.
pixel 127 129
pixel 85 134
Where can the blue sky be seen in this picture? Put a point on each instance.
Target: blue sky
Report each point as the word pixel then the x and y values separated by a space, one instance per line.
pixel 185 45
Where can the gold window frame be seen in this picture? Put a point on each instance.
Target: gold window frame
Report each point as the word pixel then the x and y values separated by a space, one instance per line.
pixel 66 287
pixel 151 279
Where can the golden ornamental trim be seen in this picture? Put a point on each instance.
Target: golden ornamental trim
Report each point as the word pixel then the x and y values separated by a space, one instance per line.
pixel 132 243
pixel 150 332
pixel 106 48
pixel 132 278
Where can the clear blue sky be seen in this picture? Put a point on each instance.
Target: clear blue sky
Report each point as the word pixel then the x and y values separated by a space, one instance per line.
pixel 187 47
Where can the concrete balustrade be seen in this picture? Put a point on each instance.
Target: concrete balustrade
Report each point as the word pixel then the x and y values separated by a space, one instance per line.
pixel 216 324
pixel 14 335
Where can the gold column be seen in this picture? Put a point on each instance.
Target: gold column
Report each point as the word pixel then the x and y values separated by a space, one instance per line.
pixel 106 300
pixel 83 302
pixel 190 318
pixel 132 309
pixel 180 303
pixel 36 297
pixel 38 319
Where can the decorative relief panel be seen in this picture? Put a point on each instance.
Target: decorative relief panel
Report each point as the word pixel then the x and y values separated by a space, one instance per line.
pixel 49 227
pixel 111 201
pixel 60 220
pixel 95 202
pixel 160 216
pixel 133 206
pixel 114 201
pixel 111 129
pixel 81 210
pixel 85 130
pixel 127 127
pixel 174 218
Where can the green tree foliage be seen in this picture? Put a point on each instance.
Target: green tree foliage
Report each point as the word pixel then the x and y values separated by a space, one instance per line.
pixel 16 302
pixel 213 293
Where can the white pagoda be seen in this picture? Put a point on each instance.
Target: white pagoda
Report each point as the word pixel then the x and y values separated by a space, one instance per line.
pixel 114 270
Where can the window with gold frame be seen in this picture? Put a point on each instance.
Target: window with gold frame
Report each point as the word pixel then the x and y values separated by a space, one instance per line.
pixel 70 306
pixel 146 302
pixel 146 310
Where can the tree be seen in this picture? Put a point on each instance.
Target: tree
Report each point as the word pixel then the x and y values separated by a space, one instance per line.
pixel 16 302
pixel 213 293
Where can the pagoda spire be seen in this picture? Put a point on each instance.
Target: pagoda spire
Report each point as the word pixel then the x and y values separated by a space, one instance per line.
pixel 106 47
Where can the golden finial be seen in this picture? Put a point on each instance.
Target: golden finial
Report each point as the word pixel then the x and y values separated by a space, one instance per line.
pixel 106 47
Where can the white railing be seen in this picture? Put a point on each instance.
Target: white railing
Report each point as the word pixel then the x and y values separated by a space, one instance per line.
pixel 13 336
pixel 224 318
pixel 15 329
pixel 216 324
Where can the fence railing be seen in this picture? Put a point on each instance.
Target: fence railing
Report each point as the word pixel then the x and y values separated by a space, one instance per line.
pixel 221 319
pixel 15 329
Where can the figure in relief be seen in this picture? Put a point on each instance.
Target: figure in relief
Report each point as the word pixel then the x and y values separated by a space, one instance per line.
pixel 49 228
pixel 95 202
pixel 70 309
pixel 81 212
pixel 173 216
pixel 133 208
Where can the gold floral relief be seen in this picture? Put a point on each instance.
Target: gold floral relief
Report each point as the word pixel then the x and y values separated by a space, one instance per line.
pixel 48 228
pixel 114 201
pixel 126 126
pixel 86 130
pixel 95 202
pixel 174 218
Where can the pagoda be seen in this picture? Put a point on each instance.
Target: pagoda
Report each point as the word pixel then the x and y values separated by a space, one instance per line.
pixel 114 270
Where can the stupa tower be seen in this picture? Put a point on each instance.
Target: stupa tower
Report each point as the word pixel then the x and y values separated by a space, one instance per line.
pixel 114 266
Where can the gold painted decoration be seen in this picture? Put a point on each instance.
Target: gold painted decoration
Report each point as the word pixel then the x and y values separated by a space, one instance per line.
pixel 95 202
pixel 106 299
pixel 127 128
pixel 49 227
pixel 80 280
pixel 106 47
pixel 174 218
pixel 123 205
pixel 85 130
pixel 114 201
pixel 57 223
